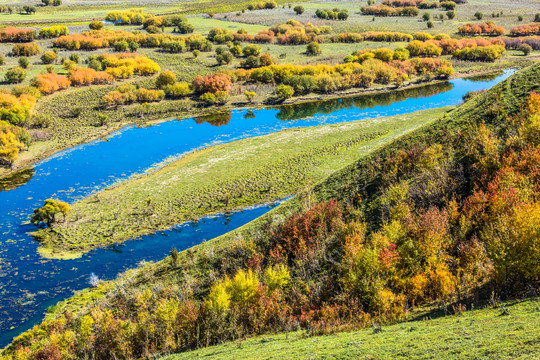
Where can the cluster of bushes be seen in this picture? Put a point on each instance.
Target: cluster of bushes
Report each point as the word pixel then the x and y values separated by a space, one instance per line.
pixel 53 31
pixel 384 10
pixel 515 43
pixel 386 36
pixel 480 53
pixel 263 5
pixel 192 42
pixel 98 39
pixel 48 212
pixel 420 48
pixel 448 46
pixel 124 65
pixel 13 140
pixel 222 36
pixel 16 105
pixel 166 81
pixel 52 2
pixel 486 28
pixel 252 52
pixel 254 61
pixel 263 37
pixel 382 54
pixel 363 72
pixel 80 76
pixel 127 17
pixel 48 83
pixel 332 14
pixel 6 9
pixel 421 4
pixel 296 33
pixel 214 83
pixel 180 23
pixel 128 94
pixel 81 41
pixel 25 49
pixel 211 89
pixel 49 57
pixel 434 48
pixel 13 34
pixel 400 3
pixel 526 30
pixel 96 25
pixel 122 41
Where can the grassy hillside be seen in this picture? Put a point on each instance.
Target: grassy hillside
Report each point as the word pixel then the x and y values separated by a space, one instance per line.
pixel 445 215
pixel 507 331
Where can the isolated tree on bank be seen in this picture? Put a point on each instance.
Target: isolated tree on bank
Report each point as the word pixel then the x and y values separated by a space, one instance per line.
pixel 284 92
pixel 313 49
pixel 96 25
pixel 250 95
pixel 47 213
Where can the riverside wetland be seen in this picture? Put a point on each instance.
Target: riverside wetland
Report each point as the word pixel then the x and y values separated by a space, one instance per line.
pixel 183 174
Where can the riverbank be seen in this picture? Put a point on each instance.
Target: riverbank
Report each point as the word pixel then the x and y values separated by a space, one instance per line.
pixel 74 133
pixel 222 178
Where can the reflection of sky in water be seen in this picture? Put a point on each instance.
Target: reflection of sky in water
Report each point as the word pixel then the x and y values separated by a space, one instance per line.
pixel 29 284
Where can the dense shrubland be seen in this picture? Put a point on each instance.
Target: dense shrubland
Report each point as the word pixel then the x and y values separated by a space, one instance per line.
pixel 515 43
pixel 13 34
pixel 127 94
pixel 384 10
pixel 53 31
pixel 332 14
pixel 480 53
pixel 387 36
pixel 526 30
pixel 486 28
pixel 447 214
pixel 127 17
pixel 296 33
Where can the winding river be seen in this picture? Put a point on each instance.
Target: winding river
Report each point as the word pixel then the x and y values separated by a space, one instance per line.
pixel 29 284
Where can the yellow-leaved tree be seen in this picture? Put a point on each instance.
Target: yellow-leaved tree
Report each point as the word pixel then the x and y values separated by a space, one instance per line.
pixel 10 146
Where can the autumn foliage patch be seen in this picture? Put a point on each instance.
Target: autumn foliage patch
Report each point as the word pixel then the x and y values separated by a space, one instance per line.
pixel 50 82
pixel 12 34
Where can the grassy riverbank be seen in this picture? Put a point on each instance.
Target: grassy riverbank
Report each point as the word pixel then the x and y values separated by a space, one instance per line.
pixel 507 331
pixel 223 178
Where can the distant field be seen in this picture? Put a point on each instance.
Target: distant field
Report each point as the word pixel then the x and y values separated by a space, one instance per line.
pixel 74 11
pixel 358 22
pixel 506 332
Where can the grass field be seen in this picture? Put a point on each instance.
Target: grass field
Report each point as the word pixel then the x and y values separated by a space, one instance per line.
pixel 508 331
pixel 222 178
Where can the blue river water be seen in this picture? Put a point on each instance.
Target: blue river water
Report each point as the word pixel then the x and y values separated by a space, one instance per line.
pixel 29 284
